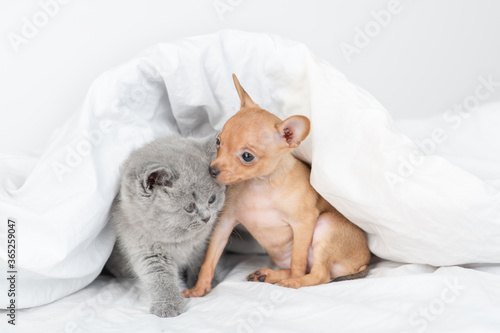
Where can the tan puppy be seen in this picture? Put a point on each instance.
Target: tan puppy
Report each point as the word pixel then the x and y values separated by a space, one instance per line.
pixel 270 194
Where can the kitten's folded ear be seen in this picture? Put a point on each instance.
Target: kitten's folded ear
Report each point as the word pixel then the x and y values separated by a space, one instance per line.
pixel 209 146
pixel 154 174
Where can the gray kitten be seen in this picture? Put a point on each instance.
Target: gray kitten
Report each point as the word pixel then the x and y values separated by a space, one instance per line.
pixel 163 216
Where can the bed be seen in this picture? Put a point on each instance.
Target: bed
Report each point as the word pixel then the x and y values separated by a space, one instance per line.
pixel 432 220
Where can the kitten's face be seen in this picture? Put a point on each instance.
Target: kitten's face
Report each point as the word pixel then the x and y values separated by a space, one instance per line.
pixel 194 205
pixel 167 188
pixel 176 199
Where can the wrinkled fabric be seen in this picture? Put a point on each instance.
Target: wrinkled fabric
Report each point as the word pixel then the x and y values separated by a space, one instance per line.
pixel 393 298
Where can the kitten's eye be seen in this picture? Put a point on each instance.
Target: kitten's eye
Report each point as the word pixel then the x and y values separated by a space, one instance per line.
pixel 212 199
pixel 190 208
pixel 247 157
pixel 217 142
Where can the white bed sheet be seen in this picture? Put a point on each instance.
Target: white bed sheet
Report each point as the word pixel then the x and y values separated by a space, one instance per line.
pixel 393 298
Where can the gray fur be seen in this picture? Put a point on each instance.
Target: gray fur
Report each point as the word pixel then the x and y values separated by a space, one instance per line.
pixel 157 240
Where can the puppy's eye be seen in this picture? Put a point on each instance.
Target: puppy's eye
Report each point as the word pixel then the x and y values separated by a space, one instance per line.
pixel 247 157
pixel 190 208
pixel 217 142
pixel 212 199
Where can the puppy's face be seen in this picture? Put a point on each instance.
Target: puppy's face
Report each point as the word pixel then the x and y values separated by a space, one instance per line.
pixel 253 141
pixel 248 147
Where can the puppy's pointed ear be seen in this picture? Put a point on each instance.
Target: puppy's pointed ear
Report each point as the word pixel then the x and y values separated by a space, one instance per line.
pixel 154 175
pixel 245 100
pixel 293 130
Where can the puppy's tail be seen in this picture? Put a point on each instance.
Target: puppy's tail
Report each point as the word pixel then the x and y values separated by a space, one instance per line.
pixel 358 275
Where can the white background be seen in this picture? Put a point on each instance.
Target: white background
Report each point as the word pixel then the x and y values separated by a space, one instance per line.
pixel 426 59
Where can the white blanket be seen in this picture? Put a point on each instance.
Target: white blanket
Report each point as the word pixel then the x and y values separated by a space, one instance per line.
pixel 433 212
pixel 394 298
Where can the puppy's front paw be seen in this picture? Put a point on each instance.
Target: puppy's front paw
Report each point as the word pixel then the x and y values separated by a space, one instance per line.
pixel 169 307
pixel 199 290
pixel 290 283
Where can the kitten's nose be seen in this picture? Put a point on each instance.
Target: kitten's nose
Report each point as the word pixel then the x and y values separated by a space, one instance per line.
pixel 206 219
pixel 214 172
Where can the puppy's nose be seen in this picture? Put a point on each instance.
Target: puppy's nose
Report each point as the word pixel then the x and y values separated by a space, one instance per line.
pixel 214 172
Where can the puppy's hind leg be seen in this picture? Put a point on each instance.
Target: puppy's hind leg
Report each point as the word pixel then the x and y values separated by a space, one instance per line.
pixel 320 271
pixel 339 251
pixel 321 260
pixel 269 275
